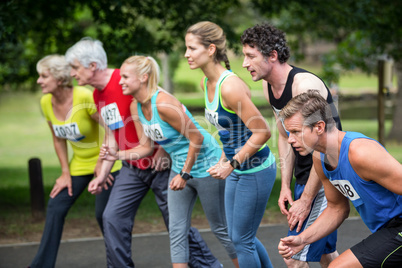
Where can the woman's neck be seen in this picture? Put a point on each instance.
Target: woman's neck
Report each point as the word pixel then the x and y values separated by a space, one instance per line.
pixel 142 94
pixel 62 95
pixel 213 71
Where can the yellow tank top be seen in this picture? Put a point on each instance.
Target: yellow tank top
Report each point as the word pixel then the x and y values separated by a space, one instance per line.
pixel 82 132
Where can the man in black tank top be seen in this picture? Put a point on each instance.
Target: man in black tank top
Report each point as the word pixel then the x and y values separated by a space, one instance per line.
pixel 265 57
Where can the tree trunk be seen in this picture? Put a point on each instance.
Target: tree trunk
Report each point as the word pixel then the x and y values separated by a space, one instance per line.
pixel 396 130
pixel 167 81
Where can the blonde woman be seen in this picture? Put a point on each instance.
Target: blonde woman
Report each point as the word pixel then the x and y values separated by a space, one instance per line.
pixel 72 117
pixel 247 163
pixel 160 117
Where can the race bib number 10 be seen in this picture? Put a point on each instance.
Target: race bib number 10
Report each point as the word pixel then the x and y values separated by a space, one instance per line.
pixel 111 115
pixel 68 131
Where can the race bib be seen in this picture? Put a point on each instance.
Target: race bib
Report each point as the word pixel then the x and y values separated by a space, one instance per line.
pixel 154 132
pixel 111 115
pixel 68 131
pixel 346 188
pixel 212 117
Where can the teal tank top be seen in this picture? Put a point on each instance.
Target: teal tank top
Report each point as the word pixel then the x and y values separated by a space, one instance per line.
pixel 177 145
pixel 232 131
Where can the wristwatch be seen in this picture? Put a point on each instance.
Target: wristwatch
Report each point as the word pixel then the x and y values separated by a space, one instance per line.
pixel 185 175
pixel 234 163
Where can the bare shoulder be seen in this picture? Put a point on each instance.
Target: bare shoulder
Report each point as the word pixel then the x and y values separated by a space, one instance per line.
pixel 234 86
pixel 365 155
pixel 167 104
pixel 360 149
pixel 304 81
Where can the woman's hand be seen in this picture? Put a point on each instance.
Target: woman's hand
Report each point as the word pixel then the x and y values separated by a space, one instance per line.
pixel 221 170
pixel 177 183
pixel 64 181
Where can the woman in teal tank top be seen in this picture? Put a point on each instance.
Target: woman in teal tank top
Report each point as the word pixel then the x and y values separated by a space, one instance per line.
pixel 247 164
pixel 158 116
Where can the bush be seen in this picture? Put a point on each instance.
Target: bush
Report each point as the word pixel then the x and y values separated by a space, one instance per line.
pixel 184 87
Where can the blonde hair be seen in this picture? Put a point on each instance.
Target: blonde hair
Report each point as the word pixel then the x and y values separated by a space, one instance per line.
pixel 146 65
pixel 210 33
pixel 58 68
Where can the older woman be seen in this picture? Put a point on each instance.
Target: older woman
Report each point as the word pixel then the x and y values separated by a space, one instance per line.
pixel 72 117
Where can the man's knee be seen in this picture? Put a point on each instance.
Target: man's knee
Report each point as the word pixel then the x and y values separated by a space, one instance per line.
pixel 326 259
pixel 292 263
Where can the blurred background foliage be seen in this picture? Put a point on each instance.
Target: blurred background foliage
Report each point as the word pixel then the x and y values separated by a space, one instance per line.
pixel 359 32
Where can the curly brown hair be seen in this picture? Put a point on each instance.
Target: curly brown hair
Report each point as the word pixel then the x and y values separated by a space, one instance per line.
pixel 267 38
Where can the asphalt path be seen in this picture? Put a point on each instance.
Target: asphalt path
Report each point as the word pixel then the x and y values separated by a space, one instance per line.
pixel 152 250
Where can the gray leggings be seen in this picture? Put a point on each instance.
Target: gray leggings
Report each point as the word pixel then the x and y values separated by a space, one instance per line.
pixel 211 193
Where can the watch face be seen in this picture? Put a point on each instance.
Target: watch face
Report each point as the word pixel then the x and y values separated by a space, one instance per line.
pixel 234 163
pixel 185 175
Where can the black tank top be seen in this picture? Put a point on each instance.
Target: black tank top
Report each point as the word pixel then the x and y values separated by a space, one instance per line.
pixel 303 164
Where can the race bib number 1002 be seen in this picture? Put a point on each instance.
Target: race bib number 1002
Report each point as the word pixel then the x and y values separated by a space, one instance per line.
pixel 111 115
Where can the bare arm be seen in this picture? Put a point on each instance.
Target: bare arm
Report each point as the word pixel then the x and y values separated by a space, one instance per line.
pixel 301 208
pixel 332 217
pixel 103 168
pixel 236 97
pixel 64 181
pixel 171 111
pixel 145 146
pixel 373 163
pixel 109 153
pixel 287 160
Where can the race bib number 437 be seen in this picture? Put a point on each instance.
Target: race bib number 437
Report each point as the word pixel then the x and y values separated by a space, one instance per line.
pixel 111 115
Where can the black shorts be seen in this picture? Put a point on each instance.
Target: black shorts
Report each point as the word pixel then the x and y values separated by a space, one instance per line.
pixel 383 248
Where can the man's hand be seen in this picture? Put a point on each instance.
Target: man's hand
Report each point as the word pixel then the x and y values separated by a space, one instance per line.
pixel 290 245
pixel 109 179
pixel 161 160
pixel 285 199
pixel 298 213
pixel 95 186
pixel 64 181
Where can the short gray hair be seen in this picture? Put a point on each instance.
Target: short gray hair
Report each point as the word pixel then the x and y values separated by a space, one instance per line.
pixel 58 67
pixel 86 51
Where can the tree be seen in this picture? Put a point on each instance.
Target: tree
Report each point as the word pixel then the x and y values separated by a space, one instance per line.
pixel 31 29
pixel 362 30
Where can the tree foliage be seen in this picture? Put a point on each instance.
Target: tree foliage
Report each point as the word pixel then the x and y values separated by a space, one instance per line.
pixel 31 29
pixel 363 30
